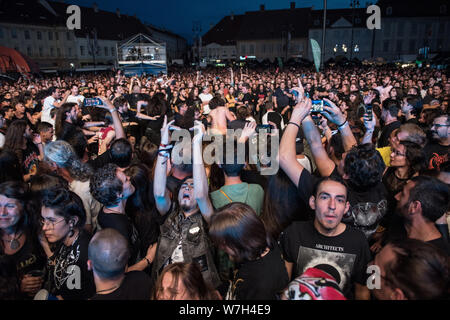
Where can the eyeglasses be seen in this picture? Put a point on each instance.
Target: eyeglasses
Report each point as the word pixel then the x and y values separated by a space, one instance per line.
pixel 51 223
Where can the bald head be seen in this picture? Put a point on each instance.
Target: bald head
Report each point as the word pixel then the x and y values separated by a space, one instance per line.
pixel 109 253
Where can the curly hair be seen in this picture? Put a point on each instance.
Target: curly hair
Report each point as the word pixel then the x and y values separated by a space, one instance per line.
pixel 105 185
pixel 62 153
pixel 364 166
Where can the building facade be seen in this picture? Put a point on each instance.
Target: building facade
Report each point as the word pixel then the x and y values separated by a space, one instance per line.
pixel 37 29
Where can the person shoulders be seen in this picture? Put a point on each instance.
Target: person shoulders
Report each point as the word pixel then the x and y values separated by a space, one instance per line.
pixel 135 286
pixel 442 244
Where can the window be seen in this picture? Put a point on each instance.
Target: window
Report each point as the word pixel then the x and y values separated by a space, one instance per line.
pixel 27 34
pixel 57 36
pixel 252 49
pixel 113 51
pixel 29 51
pixel 389 11
pixel 50 35
pixel 39 35
pixel 58 52
pixel 386 45
pixel 41 52
pixel 69 52
pixel 52 51
pixel 68 36
pixel 243 49
pixel 412 46
pixel 14 33
pixel 399 45
pixel 106 51
pixel 82 50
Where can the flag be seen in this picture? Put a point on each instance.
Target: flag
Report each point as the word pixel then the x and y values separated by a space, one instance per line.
pixel 316 53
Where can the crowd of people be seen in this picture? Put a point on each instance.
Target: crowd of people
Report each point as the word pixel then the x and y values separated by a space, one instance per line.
pixel 93 205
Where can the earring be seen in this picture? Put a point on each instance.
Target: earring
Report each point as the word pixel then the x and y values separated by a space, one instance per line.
pixel 71 232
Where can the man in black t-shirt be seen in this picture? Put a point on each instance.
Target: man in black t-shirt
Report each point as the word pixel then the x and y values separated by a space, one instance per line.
pixel 108 257
pixel 111 187
pixel 421 203
pixel 328 243
pixel 437 152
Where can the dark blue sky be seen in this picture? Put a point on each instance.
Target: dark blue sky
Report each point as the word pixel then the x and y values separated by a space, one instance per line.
pixel 179 15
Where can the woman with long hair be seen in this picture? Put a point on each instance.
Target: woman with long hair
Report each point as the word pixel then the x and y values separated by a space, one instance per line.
pixel 407 161
pixel 22 261
pixel 62 220
pixel 141 208
pixel 183 281
pixel 28 148
pixel 282 205
pixel 237 230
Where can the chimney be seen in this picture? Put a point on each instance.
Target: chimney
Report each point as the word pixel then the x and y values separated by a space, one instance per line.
pixel 292 5
pixel 118 12
pixel 95 6
pixel 262 7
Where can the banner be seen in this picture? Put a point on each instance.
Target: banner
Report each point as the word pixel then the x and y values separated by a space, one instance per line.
pixel 316 53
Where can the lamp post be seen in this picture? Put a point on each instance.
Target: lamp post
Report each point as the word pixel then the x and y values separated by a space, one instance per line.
pixel 353 4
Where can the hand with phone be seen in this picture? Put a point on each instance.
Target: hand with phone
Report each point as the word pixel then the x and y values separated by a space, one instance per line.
pixel 332 112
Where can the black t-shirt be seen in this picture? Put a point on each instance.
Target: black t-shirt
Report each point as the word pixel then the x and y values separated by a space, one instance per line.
pixel 63 275
pixel 30 158
pixel 101 160
pixel 261 279
pixel 13 267
pixel 436 155
pixel 383 141
pixel 442 244
pixel 236 124
pixel 344 256
pixel 123 224
pixel 282 99
pixel 135 286
pixel 133 98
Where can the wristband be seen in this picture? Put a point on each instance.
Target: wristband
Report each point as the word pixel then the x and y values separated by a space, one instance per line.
pixel 112 110
pixel 294 124
pixel 343 125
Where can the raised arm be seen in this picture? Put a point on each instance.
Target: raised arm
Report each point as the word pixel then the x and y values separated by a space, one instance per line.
pixel 142 116
pixel 118 128
pixel 64 100
pixel 334 114
pixel 160 191
pixel 370 128
pixel 287 154
pixel 201 190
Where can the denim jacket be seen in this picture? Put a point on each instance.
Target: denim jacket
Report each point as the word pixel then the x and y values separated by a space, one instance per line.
pixel 195 243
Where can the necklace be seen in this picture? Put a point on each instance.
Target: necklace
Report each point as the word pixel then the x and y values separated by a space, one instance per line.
pixel 14 243
pixel 115 287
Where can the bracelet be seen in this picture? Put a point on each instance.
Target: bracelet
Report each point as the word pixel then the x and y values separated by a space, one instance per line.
pixel 148 261
pixel 164 154
pixel 294 124
pixel 112 110
pixel 342 125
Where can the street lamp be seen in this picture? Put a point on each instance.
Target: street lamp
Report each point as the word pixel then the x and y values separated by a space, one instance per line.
pixel 353 4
